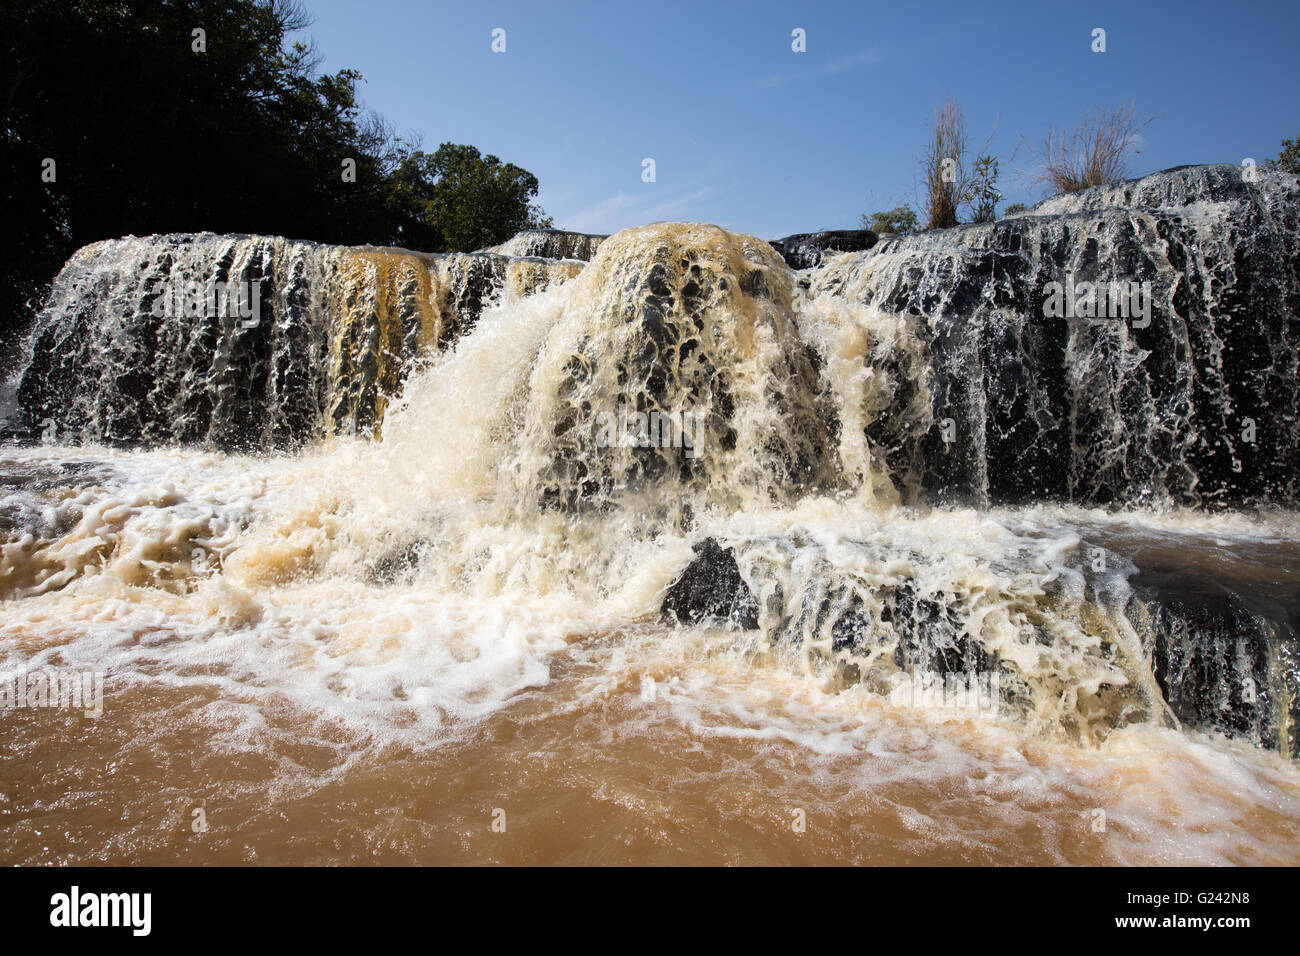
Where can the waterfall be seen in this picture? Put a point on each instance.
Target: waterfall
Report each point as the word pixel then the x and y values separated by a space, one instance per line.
pixel 1036 476
pixel 245 341
pixel 1192 403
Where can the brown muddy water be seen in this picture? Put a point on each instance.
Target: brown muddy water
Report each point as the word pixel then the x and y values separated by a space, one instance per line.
pixel 325 720
pixel 710 770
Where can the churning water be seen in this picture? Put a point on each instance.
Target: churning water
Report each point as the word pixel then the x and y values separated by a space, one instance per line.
pixel 466 638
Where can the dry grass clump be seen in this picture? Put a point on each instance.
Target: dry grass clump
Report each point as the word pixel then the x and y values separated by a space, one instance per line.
pixel 943 166
pixel 1095 154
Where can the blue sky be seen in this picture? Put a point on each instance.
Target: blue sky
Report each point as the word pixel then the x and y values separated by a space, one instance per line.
pixel 757 138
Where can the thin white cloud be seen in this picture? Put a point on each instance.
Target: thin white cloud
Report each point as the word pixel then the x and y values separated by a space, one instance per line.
pixel 623 210
pixel 679 207
pixel 594 218
pixel 842 65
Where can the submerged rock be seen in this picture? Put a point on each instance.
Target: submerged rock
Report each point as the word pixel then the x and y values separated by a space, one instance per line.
pixel 1046 639
pixel 1225 653
pixel 906 625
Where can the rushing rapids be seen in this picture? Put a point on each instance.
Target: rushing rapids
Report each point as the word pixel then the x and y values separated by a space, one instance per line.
pixel 678 528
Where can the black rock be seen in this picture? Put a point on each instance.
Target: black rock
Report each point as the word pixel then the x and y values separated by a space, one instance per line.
pixel 1224 652
pixel 114 360
pixel 807 249
pixel 711 591
pixel 1192 402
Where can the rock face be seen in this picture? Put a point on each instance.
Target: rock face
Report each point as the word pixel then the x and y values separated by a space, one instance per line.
pixel 247 342
pixel 808 249
pixel 711 591
pixel 1132 345
pixel 1037 393
pixel 549 244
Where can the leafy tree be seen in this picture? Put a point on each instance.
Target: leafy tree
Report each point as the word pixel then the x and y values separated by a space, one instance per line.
pixel 1289 158
pixel 901 219
pixel 1014 208
pixel 153 129
pixel 457 200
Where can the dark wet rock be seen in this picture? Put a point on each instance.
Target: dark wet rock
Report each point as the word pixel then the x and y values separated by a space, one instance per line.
pixel 1192 402
pixel 711 591
pixel 993 398
pixel 397 566
pixel 896 634
pixel 1225 654
pixel 808 249
pixel 667 311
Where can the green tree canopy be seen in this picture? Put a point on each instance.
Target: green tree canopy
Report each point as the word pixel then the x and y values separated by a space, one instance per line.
pixel 456 199
pixel 1289 158
pixel 154 128
pixel 899 219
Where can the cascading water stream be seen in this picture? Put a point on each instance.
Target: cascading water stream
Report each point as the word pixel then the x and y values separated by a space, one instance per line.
pixel 840 524
pixel 247 342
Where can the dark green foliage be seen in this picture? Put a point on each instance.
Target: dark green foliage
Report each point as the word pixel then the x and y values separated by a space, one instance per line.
pixel 983 194
pixel 1289 158
pixel 457 199
pixel 150 136
pixel 900 219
